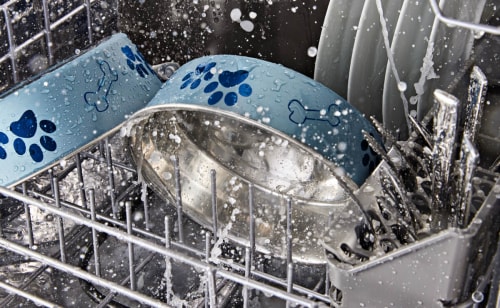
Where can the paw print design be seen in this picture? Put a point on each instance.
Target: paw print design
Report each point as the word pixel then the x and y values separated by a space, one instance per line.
pixel 299 114
pixel 25 128
pixel 136 61
pixel 99 98
pixel 3 140
pixel 227 79
pixel 369 158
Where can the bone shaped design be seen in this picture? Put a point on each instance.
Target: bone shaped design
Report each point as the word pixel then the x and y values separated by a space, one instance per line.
pixel 299 114
pixel 99 98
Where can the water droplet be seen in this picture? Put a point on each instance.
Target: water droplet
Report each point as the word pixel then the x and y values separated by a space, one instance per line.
pixel 414 100
pixel 477 297
pixel 77 51
pixel 167 175
pixel 289 74
pixel 402 86
pixel 312 51
pixel 342 146
pixel 247 25
pixel 235 15
pixel 478 34
pixel 278 84
pixel 368 189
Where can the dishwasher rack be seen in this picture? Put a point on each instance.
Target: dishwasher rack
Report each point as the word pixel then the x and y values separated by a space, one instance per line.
pixel 89 232
pixel 87 226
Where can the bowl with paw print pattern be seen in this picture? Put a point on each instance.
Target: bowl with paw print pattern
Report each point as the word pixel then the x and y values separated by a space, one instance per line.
pixel 282 99
pixel 79 101
pixel 238 126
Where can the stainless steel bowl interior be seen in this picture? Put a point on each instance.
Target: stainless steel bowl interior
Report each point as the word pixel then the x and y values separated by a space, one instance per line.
pixel 240 151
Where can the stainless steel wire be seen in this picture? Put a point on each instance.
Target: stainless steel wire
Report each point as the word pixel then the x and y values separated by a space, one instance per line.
pixel 91 222
pixel 126 232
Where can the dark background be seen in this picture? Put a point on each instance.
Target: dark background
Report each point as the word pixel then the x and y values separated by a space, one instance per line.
pixel 176 30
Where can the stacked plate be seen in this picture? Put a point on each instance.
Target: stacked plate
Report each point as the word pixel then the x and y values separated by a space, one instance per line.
pixel 426 54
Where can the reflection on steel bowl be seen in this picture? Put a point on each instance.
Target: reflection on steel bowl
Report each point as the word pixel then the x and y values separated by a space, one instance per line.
pixel 241 151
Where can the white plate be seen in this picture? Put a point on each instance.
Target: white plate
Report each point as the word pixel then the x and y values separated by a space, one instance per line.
pixel 336 43
pixel 369 59
pixel 452 50
pixel 409 45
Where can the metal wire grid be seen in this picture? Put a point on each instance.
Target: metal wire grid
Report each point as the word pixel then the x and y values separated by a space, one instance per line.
pixel 48 199
pixel 88 219
pixel 44 193
pixel 52 29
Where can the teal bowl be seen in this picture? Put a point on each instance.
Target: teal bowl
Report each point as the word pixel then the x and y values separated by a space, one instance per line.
pixel 282 99
pixel 61 111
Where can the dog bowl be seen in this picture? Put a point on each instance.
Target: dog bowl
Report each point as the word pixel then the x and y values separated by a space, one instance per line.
pixel 280 98
pixel 75 103
pixel 240 151
pixel 258 123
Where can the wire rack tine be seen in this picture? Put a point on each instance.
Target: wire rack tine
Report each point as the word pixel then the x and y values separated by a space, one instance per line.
pixel 213 187
pixel 59 221
pixel 48 33
pixel 27 213
pixel 36 299
pixel 95 241
pixel 178 198
pixel 451 22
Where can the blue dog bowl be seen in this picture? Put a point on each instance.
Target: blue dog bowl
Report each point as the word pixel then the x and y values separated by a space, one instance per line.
pixel 65 109
pixel 255 122
pixel 280 98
